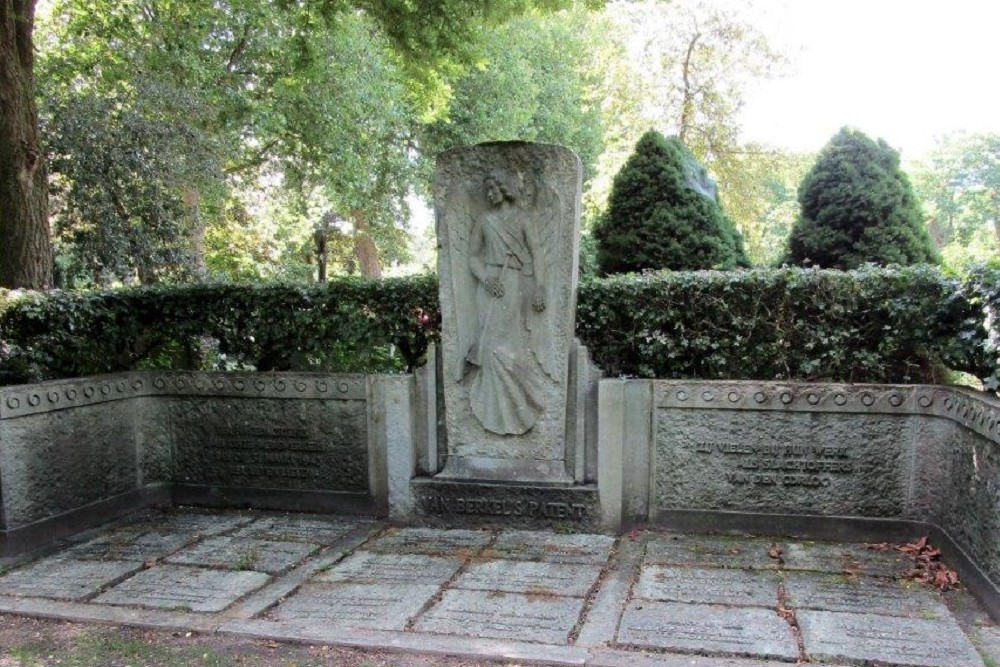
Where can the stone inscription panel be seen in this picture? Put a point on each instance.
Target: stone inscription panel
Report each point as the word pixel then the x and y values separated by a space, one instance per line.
pixel 345 606
pixel 551 547
pixel 184 588
pixel 867 638
pixel 364 567
pixel 707 628
pixel 319 445
pixel 533 618
pixel 730 587
pixel 530 578
pixel 702 551
pixel 773 462
pixel 863 595
pixel 64 578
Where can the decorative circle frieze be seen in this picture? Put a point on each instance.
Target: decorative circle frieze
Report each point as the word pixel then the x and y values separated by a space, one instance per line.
pixel 71 394
pixel 812 398
pixel 180 383
pixel 239 385
pixel 925 401
pixel 868 399
pixel 279 385
pixel 88 392
pixel 34 400
pixel 105 389
pixel 138 385
pixel 121 387
pixel 344 387
pixel 949 403
pixel 13 403
pixel 760 397
pixel 259 385
pixel 707 396
pixel 734 397
pixel 895 400
pixel 681 395
pixel 840 399
pixel 53 397
pixel 159 383
pixel 322 386
pixel 219 384
pixel 199 384
pixel 300 386
pixel 786 397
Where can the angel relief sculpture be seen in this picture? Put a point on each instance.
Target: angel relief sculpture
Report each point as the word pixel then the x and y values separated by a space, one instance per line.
pixel 504 299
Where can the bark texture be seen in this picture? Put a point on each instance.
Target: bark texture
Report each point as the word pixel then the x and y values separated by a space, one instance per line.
pixel 25 244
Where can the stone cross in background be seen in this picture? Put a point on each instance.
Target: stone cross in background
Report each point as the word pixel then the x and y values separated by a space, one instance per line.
pixel 508 237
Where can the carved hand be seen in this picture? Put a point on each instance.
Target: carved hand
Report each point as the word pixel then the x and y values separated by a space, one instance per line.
pixel 539 300
pixel 494 287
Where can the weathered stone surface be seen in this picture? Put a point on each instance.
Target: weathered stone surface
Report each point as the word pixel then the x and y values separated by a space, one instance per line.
pixel 534 618
pixel 364 567
pixel 708 629
pixel 244 553
pixel 869 639
pixel 344 606
pixel 731 587
pixel 430 541
pixel 508 221
pixel 202 525
pixel 55 462
pixel 552 547
pixel 271 443
pixel 776 462
pixel 846 558
pixel 530 578
pixel 507 505
pixel 862 595
pixel 129 544
pixel 696 550
pixel 186 588
pixel 64 578
pixel 291 528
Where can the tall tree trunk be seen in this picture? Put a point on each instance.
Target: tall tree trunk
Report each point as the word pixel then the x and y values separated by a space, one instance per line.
pixel 25 245
pixel 192 201
pixel 687 101
pixel 364 246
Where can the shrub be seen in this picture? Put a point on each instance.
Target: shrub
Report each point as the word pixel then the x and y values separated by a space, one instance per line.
pixel 857 207
pixel 658 219
pixel 869 325
pixel 349 325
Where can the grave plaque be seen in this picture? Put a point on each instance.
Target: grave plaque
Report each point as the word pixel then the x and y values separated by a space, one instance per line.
pixel 184 588
pixel 551 547
pixel 299 529
pixel 731 587
pixel 431 542
pixel 243 553
pixel 507 228
pixel 869 639
pixel 862 595
pixel 760 633
pixel 364 567
pixel 535 618
pixel 345 606
pixel 530 578
pixel 700 551
pixel 64 578
pixel 852 558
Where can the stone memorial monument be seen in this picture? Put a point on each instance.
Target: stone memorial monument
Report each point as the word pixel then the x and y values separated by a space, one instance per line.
pixel 508 230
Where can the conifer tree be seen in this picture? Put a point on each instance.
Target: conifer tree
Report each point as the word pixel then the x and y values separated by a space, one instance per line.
pixel 857 206
pixel 663 213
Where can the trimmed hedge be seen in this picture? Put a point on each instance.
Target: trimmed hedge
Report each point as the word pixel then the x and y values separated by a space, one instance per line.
pixel 868 325
pixel 350 325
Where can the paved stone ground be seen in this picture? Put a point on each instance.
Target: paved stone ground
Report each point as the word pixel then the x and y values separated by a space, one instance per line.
pixel 647 599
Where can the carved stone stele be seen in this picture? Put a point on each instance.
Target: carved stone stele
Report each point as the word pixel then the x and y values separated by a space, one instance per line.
pixel 508 229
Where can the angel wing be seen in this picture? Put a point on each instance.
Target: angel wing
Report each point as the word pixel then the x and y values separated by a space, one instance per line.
pixel 547 215
pixel 463 203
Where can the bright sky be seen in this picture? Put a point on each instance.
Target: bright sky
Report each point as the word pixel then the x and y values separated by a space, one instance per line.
pixel 903 71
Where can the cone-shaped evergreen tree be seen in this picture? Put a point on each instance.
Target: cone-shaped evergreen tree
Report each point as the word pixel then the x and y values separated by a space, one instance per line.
pixel 857 206
pixel 663 213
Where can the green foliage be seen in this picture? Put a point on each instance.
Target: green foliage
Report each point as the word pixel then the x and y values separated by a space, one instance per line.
pixel 857 207
pixel 869 325
pixel 657 220
pixel 533 83
pixel 349 325
pixel 982 289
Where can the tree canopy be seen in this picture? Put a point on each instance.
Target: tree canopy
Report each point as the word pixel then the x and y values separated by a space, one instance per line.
pixel 857 206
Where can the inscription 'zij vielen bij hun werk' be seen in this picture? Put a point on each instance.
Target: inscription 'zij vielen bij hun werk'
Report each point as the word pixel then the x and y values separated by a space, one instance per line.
pixel 779 465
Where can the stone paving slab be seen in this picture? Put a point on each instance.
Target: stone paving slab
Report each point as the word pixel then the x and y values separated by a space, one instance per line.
pixel 530 578
pixel 862 595
pixel 244 553
pixel 130 545
pixel 345 606
pixel 545 619
pixel 64 578
pixel 430 541
pixel 889 640
pixel 699 551
pixel 204 525
pixel 551 547
pixel 294 528
pixel 852 558
pixel 745 631
pixel 364 567
pixel 708 586
pixel 181 587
